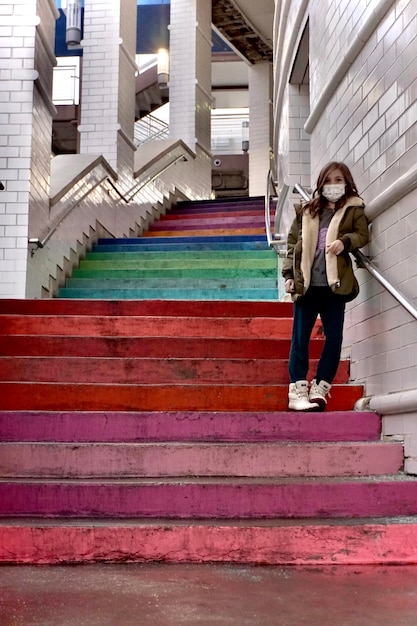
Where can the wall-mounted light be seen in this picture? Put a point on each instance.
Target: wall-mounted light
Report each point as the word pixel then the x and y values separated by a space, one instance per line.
pixel 245 136
pixel 73 30
pixel 163 67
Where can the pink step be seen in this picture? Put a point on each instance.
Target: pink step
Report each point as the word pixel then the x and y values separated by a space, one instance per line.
pixel 211 498
pixel 270 542
pixel 133 460
pixel 145 426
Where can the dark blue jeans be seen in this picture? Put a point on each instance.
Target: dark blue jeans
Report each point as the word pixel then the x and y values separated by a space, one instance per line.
pixel 331 308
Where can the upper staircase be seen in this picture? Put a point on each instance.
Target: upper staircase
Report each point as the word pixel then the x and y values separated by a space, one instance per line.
pixel 145 419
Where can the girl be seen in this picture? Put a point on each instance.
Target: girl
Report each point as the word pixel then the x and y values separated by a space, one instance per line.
pixel 319 276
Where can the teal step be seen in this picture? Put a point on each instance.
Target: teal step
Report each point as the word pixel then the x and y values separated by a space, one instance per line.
pixel 171 294
pixel 167 263
pixel 167 283
pixel 175 273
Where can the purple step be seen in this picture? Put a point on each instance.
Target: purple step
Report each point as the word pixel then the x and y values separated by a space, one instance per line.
pixel 211 498
pixel 148 426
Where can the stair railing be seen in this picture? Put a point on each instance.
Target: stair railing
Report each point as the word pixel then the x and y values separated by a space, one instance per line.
pixel 274 238
pixel 36 243
pixel 365 262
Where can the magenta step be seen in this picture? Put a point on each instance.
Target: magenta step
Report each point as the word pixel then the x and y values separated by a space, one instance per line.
pixel 145 307
pixel 200 223
pixel 271 542
pixel 188 426
pixel 142 460
pixel 211 498
pixel 149 371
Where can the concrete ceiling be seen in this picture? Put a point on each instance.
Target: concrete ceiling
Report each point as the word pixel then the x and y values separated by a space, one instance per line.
pixel 247 25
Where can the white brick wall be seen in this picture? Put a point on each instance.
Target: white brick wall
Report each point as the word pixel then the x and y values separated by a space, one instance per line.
pixel 107 98
pixel 260 126
pixel 26 51
pixel 190 83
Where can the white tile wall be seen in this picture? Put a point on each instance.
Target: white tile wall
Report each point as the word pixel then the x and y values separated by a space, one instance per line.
pixel 370 122
pixel 260 126
pixel 190 82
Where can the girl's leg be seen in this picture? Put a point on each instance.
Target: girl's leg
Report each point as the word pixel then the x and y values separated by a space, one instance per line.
pixel 332 313
pixel 305 315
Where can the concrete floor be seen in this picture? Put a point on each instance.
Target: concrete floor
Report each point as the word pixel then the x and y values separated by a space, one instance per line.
pixel 168 595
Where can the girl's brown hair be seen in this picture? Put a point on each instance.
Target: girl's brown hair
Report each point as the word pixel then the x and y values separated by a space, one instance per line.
pixel 317 203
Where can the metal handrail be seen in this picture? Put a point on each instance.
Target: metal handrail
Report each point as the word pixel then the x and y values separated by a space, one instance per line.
pixel 274 238
pixel 40 243
pixel 364 262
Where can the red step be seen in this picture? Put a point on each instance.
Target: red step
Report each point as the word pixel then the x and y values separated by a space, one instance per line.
pixel 146 371
pixel 28 396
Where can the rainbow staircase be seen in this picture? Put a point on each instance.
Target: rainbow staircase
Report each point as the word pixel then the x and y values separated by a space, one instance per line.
pixel 156 429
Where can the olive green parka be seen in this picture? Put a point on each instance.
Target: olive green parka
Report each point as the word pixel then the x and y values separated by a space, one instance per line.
pixel 349 224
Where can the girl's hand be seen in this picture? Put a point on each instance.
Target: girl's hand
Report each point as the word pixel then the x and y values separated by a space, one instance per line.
pixel 336 247
pixel 289 285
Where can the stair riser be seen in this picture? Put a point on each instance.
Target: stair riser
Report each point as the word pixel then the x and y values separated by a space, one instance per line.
pixel 262 280
pixel 58 460
pixel 210 295
pixel 149 371
pixel 151 347
pixel 211 500
pixel 175 308
pixel 149 326
pixel 236 214
pixel 149 246
pixel 185 256
pixel 303 545
pixel 183 426
pixel 108 276
pixel 205 232
pixel 98 397
pixel 212 223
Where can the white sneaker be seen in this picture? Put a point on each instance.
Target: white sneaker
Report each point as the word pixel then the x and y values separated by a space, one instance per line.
pixel 298 397
pixel 318 392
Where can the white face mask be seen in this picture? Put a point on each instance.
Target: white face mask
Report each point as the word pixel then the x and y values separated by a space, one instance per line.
pixel 333 193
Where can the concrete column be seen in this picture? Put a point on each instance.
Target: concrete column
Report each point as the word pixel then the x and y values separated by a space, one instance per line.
pixel 27 51
pixel 190 81
pixel 260 126
pixel 108 82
